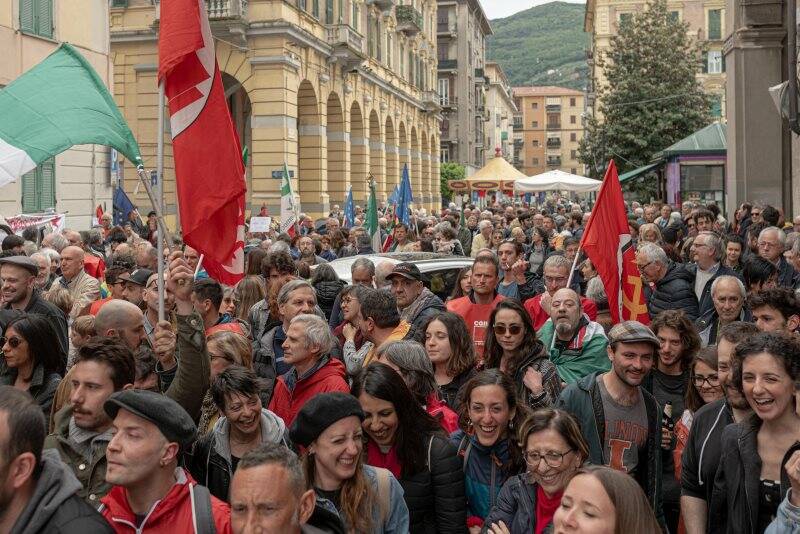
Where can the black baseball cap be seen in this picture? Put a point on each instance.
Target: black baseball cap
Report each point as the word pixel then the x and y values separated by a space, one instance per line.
pixel 138 276
pixel 406 270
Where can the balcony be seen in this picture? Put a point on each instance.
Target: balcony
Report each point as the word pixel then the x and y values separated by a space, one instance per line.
pixel 553 108
pixel 554 142
pixel 383 5
pixel 554 125
pixel 519 143
pixel 409 20
pixel 430 101
pixel 554 161
pixel 446 29
pixel 349 46
pixel 225 9
pixel 449 104
pixel 448 64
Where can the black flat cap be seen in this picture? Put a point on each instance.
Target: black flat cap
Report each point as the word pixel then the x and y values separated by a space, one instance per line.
pixel 22 261
pixel 320 412
pixel 170 418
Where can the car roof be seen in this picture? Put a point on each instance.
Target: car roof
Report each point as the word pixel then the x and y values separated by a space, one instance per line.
pixel 425 261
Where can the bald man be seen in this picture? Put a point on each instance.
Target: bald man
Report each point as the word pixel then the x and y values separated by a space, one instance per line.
pixel 122 319
pixel 83 288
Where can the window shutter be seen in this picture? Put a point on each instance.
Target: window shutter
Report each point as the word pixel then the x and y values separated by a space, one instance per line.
pixel 705 62
pixel 723 62
pixel 119 3
pixel 26 17
pixel 328 11
pixel 28 181
pixel 44 17
pixel 714 23
pixel 47 177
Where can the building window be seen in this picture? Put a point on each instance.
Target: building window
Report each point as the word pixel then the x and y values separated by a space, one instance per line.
pixel 573 170
pixel 535 124
pixel 535 161
pixel 573 137
pixel 444 92
pixel 573 154
pixel 535 142
pixel 674 16
pixel 715 24
pixel 329 12
pixel 535 105
pixel 714 63
pixel 572 119
pixel 354 22
pixel 716 106
pixel 39 188
pixel 572 102
pixel 36 17
pixel 315 8
pixel 625 18
pixel 444 154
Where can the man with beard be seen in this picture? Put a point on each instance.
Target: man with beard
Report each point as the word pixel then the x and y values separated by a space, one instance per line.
pixel 620 420
pixel 18 276
pixel 556 275
pixel 576 345
pixel 667 382
pixel 37 491
pixel 308 251
pixel 415 302
pixel 702 453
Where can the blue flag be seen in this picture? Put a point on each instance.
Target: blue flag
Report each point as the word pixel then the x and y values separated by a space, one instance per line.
pixel 404 198
pixel 392 200
pixel 349 210
pixel 122 206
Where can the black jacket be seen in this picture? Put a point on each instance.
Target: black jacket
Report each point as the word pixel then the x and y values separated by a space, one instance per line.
pixel 56 317
pixel 449 392
pixel 706 305
pixel 326 295
pixel 673 292
pixel 435 496
pixel 42 388
pixel 429 306
pixel 516 507
pixel 703 450
pixel 735 497
pixel 787 276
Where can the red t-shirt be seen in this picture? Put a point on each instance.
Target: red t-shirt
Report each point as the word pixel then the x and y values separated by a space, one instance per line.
pixel 477 318
pixel 545 508
pixel 389 461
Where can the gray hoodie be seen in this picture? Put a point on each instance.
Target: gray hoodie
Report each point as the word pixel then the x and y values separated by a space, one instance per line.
pixel 273 430
pixel 56 484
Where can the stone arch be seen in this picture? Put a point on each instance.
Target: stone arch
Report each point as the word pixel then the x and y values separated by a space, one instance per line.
pixel 376 157
pixel 337 150
pixel 311 175
pixel 414 167
pixel 358 154
pixel 392 169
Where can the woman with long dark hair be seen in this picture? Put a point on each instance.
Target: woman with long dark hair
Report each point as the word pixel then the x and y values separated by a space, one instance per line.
pixel 488 416
pixel 463 284
pixel 406 440
pixel 32 359
pixel 452 353
pixel 512 347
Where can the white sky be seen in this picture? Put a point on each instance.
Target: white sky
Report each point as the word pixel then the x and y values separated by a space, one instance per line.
pixel 496 9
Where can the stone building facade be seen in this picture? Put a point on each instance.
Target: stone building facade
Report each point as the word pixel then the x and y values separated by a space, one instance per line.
pixel 499 127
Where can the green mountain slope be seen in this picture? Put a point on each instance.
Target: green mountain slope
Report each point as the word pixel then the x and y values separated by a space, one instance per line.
pixel 543 45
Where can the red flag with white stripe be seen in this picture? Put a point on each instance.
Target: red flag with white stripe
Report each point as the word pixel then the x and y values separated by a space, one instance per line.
pixel 208 159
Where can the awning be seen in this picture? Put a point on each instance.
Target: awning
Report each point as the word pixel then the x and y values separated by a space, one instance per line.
pixel 630 175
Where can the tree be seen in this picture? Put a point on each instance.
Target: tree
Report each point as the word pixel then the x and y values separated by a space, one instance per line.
pixel 651 97
pixel 447 172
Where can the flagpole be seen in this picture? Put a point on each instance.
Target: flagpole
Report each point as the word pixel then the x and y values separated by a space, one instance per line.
pixel 162 234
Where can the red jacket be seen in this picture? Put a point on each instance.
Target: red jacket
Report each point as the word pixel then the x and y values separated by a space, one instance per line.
pixel 539 316
pixel 172 514
pixel 448 419
pixel 286 403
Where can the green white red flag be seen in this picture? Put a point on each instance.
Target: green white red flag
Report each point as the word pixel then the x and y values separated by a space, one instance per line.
pixel 371 223
pixel 288 209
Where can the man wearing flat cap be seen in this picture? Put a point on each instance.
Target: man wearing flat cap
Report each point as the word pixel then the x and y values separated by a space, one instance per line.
pixel 18 276
pixel 415 302
pixel 620 419
pixel 151 493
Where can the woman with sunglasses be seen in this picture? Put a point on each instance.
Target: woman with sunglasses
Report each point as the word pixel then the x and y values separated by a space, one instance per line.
pixel 554 450
pixel 452 353
pixel 404 439
pixel 512 347
pixel 488 414
pixel 32 358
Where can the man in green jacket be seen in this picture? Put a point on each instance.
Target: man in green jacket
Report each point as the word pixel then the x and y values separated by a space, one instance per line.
pixel 577 346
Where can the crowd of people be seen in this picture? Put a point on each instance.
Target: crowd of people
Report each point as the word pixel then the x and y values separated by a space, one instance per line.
pixel 504 399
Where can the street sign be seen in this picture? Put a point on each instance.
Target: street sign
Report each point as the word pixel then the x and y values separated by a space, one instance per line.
pixel 279 174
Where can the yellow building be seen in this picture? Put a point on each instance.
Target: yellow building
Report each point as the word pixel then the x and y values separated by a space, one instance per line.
pixel 706 19
pixel 548 128
pixel 77 180
pixel 337 89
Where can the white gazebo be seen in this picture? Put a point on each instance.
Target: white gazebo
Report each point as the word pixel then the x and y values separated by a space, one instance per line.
pixel 556 181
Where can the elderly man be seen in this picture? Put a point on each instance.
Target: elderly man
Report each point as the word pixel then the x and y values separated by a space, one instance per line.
pixel 331 225
pixel 576 345
pixel 43 279
pixel 483 238
pixel 307 350
pixel 771 245
pixel 707 253
pixel 417 304
pixel 669 286
pixel 83 288
pixel 556 274
pixel 18 276
pixel 728 295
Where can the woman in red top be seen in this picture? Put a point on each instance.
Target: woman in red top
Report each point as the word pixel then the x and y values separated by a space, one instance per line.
pixel 410 360
pixel 404 439
pixel 554 450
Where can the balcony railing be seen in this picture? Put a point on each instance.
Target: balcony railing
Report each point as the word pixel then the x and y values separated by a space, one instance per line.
pixel 409 20
pixel 553 125
pixel 448 103
pixel 553 161
pixel 430 100
pixel 349 46
pixel 448 64
pixel 382 4
pixel 519 143
pixel 446 28
pixel 553 143
pixel 553 108
pixel 225 9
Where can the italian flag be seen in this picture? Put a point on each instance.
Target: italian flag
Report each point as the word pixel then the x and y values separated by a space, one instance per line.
pixel 288 210
pixel 371 223
pixel 59 103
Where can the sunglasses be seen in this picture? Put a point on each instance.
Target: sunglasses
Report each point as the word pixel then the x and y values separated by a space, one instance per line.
pixel 500 330
pixel 13 342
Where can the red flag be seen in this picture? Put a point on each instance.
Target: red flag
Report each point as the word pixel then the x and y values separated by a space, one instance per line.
pixel 607 242
pixel 98 212
pixel 208 159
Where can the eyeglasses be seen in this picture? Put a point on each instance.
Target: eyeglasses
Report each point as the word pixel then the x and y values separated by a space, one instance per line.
pixel 501 329
pixel 555 279
pixel 13 342
pixel 699 380
pixel 553 459
pixel 643 267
